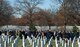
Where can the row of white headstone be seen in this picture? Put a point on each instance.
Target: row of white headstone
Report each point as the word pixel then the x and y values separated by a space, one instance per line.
pixel 37 42
pixel 15 42
pixel 64 43
pixel 67 44
pixel 5 40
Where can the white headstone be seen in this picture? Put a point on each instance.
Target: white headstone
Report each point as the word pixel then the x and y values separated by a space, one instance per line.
pixel 23 41
pixel 62 43
pixel 11 38
pixel 38 42
pixel 8 40
pixel 3 36
pixel 60 40
pixel 56 42
pixel 65 44
pixel 0 45
pixel 33 44
pixel 5 43
pixel 47 45
pixel 68 42
pixel 12 44
pixel 79 42
pixel 72 44
pixel 42 42
pixel 30 40
pixel 44 38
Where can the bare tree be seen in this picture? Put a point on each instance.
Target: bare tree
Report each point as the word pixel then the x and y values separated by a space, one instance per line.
pixel 28 7
pixel 49 16
pixel 71 11
pixel 5 12
pixel 57 19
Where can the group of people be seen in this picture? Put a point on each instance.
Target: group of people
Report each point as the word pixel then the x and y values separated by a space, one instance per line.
pixel 48 34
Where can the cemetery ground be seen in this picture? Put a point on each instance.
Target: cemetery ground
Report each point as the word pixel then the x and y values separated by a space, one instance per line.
pixel 24 38
pixel 38 42
pixel 28 44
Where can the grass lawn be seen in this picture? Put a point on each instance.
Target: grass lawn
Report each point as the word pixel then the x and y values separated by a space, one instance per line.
pixel 20 43
pixel 28 44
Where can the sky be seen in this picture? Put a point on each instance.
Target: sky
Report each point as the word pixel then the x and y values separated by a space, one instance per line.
pixel 46 4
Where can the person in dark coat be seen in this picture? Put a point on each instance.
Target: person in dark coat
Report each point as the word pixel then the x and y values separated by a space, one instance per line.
pixel 20 35
pixel 72 36
pixel 0 32
pixel 77 35
pixel 67 35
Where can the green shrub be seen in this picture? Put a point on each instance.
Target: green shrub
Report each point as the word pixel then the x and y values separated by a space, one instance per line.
pixel 32 27
pixel 75 29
